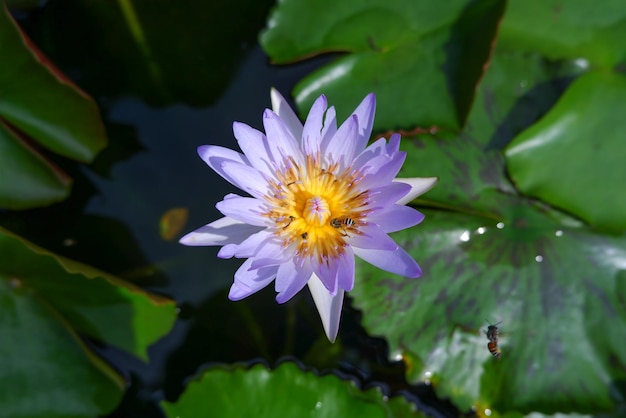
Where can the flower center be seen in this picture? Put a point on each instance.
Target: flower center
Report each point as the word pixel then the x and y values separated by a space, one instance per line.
pixel 316 207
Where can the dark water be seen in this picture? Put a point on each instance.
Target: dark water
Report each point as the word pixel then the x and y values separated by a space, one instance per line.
pixel 203 75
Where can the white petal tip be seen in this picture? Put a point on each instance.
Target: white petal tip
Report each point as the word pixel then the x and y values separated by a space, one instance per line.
pixel 419 186
pixel 328 306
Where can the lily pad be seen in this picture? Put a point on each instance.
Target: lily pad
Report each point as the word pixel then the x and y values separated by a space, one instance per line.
pixel 47 302
pixel 574 157
pixel 285 391
pixel 494 256
pixel 568 29
pixel 396 49
pixel 43 105
pixel 556 291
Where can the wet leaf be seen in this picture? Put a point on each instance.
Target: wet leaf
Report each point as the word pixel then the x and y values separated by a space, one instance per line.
pixel 574 157
pixel 284 391
pixel 47 302
pixel 39 104
pixel 396 49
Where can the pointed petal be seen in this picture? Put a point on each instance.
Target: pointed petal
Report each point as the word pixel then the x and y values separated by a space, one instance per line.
pixel 282 109
pixel 214 156
pixel 244 209
pixel 280 139
pixel 419 186
pixel 345 270
pixel 312 134
pixel 340 148
pixel 220 232
pixel 365 114
pixel 250 246
pixel 249 281
pixel 398 261
pixel 246 178
pixel 253 143
pixel 327 273
pixel 330 124
pixel 291 277
pixel 396 218
pixel 329 307
pixel 371 236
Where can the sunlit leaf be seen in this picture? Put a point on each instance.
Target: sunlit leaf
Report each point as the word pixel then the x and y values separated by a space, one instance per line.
pixel 285 391
pixel 422 59
pixel 574 158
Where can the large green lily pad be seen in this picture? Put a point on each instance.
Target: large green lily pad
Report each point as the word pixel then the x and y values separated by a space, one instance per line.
pixel 422 59
pixel 286 391
pixel 556 286
pixel 574 157
pixel 46 303
pixel 39 103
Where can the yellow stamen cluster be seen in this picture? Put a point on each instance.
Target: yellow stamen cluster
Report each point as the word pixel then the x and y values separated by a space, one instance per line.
pixel 316 207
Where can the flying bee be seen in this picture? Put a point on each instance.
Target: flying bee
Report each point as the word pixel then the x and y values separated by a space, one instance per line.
pixel 492 334
pixel 342 223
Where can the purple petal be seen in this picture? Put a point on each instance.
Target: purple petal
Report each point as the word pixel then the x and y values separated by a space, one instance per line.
pixel 291 278
pixel 244 209
pixel 345 271
pixel 214 156
pixel 387 195
pixel 395 218
pixel 393 145
pixel 398 261
pixel 376 149
pixel 327 273
pixel 249 281
pixel 220 232
pixel 382 170
pixel 312 134
pixel 328 306
pixel 419 186
pixel 280 139
pixel 248 247
pixel 365 114
pixel 254 145
pixel 272 253
pixel 372 237
pixel 340 148
pixel 246 178
pixel 282 109
pixel 330 124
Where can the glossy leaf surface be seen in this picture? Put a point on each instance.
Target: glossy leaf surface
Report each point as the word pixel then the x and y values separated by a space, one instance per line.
pixel 44 106
pixel 574 157
pixel 47 302
pixel 408 53
pixel 284 391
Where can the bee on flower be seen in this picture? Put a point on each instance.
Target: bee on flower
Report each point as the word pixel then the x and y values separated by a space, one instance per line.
pixel 318 196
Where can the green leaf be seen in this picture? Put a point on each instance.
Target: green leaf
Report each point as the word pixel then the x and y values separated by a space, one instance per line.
pixel 517 90
pixel 46 302
pixel 574 157
pixel 26 177
pixel 37 103
pixel 556 290
pixel 396 49
pixel 568 29
pixel 286 391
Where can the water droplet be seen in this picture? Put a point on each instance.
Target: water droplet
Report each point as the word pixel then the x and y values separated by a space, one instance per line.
pixel 487 412
pixel 581 63
pixel 500 225
pixel 481 230
pixel 539 259
pixel 318 405
pixel 558 233
pixel 465 236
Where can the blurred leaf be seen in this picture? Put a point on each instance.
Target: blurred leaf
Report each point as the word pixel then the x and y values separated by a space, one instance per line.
pixel 47 302
pixel 568 29
pixel 286 391
pixel 26 178
pixel 37 100
pixel 396 48
pixel 574 157
pixel 161 51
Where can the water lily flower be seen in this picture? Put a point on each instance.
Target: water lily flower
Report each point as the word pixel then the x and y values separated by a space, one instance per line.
pixel 318 196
